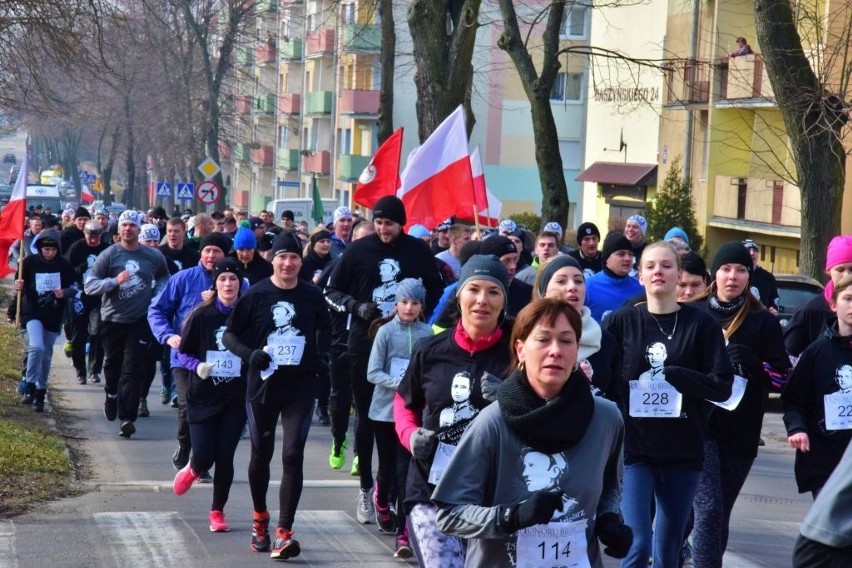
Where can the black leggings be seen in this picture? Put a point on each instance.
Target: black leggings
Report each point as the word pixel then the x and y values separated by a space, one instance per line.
pixel 295 423
pixel 216 442
pixel 340 400
pixel 125 348
pixel 393 468
pixel 362 392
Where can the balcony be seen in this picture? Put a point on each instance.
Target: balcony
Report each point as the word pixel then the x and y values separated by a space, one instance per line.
pixel 266 7
pixel 290 103
pixel 757 200
pixel 288 160
pixel 290 49
pixel 262 156
pixel 688 83
pixel 320 42
pixel 242 152
pixel 243 104
pixel 265 54
pixel 361 37
pixel 319 102
pixel 744 77
pixel 317 163
pixel 224 149
pixel 350 166
pixel 359 102
pixel 243 57
pixel 265 104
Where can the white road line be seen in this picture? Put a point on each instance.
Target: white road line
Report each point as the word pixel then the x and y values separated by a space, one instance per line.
pixel 329 536
pixel 145 539
pixel 8 558
pixel 167 485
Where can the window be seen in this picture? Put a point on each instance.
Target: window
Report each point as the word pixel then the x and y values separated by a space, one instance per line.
pixel 348 13
pixel 567 87
pixel 283 136
pixel 573 22
pixel 570 152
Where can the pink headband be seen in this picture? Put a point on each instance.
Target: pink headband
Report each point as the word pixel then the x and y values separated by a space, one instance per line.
pixel 839 251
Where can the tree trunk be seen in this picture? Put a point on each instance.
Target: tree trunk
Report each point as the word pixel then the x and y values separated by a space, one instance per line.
pixel 388 61
pixel 813 122
pixel 443 58
pixel 537 86
pixel 130 198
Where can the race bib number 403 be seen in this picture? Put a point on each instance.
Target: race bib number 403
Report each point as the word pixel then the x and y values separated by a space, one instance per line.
pixel 654 399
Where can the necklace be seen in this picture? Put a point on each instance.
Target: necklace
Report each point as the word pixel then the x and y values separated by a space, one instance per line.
pixel 674 329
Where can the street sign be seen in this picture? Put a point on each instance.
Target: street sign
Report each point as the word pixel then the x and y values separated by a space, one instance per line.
pixel 185 190
pixel 209 168
pixel 208 192
pixel 164 189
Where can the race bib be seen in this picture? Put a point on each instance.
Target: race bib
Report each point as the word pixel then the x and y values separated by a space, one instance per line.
pixel 287 349
pixel 443 453
pixel 47 282
pixel 225 364
pixel 737 392
pixel 838 411
pixel 398 365
pixel 654 399
pixel 554 544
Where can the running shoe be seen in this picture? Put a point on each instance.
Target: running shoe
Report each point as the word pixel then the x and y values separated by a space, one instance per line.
pixel 181 457
pixel 322 415
pixel 337 457
pixel 260 532
pixel 354 472
pixel 164 395
pixel 68 349
pixel 205 477
pixel 385 517
pixel 184 480
pixel 143 408
pixel 111 407
pixel 403 547
pixel 364 510
pixel 126 429
pixel 81 378
pixel 285 546
pixel 174 401
pixel 94 378
pixel 218 522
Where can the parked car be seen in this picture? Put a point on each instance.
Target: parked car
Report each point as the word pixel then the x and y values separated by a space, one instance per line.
pixel 5 193
pixel 9 158
pixel 794 290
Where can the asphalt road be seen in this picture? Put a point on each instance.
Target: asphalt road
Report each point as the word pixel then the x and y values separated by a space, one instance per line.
pixel 130 518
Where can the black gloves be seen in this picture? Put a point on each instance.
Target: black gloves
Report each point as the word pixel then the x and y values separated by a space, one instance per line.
pixel 536 509
pixel 489 384
pixel 422 442
pixel 367 311
pixel 745 362
pixel 259 359
pixel 614 534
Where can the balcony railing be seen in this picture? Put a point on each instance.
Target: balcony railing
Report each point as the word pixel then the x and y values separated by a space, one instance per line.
pixel 243 104
pixel 317 163
pixel 265 104
pixel 319 102
pixel 744 77
pixel 244 57
pixel 320 41
pixel 361 37
pixel 688 83
pixel 290 48
pixel 262 156
pixel 350 166
pixel 265 54
pixel 290 103
pixel 288 160
pixel 359 102
pixel 266 6
pixel 757 200
pixel 242 152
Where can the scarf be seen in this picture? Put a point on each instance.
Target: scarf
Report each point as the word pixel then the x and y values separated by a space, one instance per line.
pixel 547 426
pixel 590 336
pixel 726 308
pixel 467 343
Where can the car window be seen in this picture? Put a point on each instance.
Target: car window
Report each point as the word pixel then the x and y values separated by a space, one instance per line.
pixel 793 297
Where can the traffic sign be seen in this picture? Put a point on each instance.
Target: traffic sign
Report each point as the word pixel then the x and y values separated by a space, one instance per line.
pixel 209 168
pixel 185 189
pixel 164 189
pixel 208 192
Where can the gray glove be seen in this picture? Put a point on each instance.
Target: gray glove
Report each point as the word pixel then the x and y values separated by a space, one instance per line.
pixel 489 385
pixel 422 442
pixel 203 370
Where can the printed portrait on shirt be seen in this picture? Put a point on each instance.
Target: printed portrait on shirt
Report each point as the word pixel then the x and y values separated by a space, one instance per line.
pixel 282 314
pixel 546 472
pixel 843 378
pixel 218 335
pixel 656 356
pixel 385 294
pixel 461 410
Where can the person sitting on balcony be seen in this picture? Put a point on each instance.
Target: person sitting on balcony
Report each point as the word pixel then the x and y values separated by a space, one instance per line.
pixel 743 48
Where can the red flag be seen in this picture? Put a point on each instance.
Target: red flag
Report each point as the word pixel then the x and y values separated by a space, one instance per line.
pixel 437 181
pixel 381 176
pixel 86 196
pixel 12 218
pixel 480 193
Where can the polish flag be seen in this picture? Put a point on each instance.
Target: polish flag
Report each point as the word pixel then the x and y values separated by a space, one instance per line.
pixel 437 182
pixel 488 207
pixel 381 176
pixel 12 218
pixel 86 196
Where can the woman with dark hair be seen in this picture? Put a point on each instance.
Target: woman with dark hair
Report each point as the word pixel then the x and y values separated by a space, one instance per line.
pixel 753 339
pixel 317 256
pixel 216 393
pixel 546 484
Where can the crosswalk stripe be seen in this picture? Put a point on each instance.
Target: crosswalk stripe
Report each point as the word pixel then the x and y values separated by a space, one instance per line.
pixel 142 539
pixel 7 545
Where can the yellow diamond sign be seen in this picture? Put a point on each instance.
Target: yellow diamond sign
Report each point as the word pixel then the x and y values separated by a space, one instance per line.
pixel 209 168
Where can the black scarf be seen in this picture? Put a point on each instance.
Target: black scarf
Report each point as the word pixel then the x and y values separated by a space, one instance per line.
pixel 547 426
pixel 726 308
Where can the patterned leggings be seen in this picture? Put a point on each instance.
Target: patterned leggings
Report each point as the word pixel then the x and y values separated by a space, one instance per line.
pixel 432 547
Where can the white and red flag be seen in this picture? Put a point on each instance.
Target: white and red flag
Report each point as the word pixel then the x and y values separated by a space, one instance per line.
pixel 381 176
pixel 12 218
pixel 488 207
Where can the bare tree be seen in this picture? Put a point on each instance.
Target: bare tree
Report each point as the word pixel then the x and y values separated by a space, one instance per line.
pixel 388 60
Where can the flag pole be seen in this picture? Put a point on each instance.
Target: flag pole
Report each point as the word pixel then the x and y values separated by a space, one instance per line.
pixel 476 222
pixel 20 276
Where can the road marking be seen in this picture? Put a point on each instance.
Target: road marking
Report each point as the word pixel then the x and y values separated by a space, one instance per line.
pixel 8 557
pixel 167 485
pixel 333 535
pixel 146 539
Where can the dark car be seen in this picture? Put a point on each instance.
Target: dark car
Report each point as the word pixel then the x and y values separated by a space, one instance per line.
pixel 794 290
pixel 9 158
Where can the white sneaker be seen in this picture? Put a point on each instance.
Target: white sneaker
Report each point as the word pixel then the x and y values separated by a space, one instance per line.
pixel 364 510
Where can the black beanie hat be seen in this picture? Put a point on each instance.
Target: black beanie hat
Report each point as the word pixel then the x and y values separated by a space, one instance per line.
pixel 551 267
pixel 47 238
pixel 216 240
pixel 469 249
pixel 82 212
pixel 586 229
pixel 486 267
pixel 731 253
pixel 498 245
pixel 614 241
pixel 286 241
pixel 320 235
pixel 228 264
pixel 390 207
